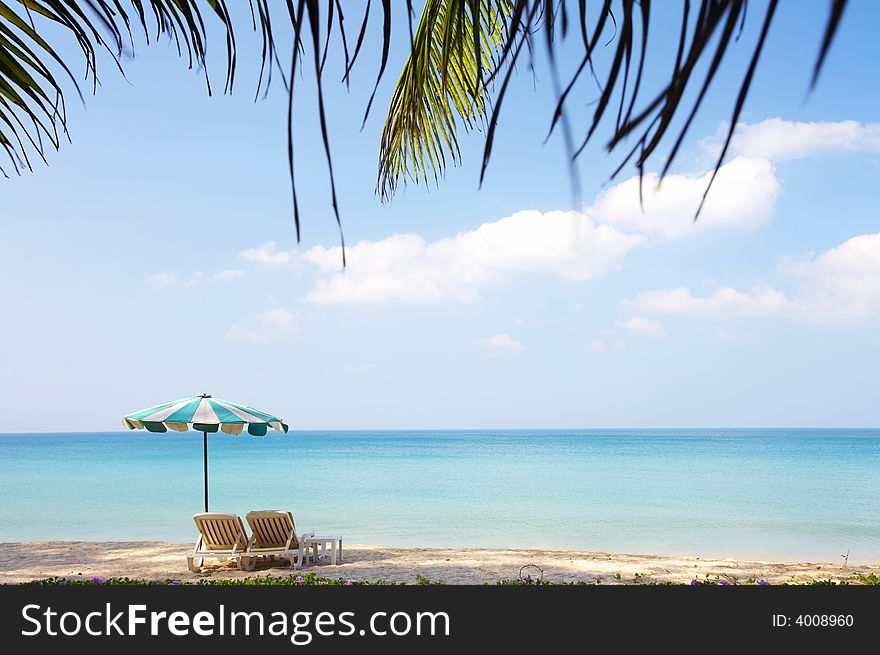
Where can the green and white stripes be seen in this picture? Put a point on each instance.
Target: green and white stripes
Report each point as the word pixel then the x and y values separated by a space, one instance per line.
pixel 205 414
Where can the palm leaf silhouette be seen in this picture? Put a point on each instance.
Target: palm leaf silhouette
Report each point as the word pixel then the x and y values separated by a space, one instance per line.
pixel 463 57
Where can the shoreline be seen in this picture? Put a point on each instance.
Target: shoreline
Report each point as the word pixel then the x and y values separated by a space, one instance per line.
pixel 154 560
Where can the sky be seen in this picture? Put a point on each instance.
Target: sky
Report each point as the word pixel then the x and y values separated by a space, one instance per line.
pixel 155 257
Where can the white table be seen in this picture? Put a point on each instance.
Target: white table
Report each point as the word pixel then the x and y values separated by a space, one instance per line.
pixel 319 545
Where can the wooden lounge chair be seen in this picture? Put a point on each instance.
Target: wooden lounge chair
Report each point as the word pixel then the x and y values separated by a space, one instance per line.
pixel 274 534
pixel 220 535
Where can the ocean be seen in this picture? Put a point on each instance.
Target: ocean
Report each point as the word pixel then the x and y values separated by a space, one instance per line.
pixel 766 494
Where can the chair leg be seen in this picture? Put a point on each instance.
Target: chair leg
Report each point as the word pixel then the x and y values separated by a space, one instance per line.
pixel 190 564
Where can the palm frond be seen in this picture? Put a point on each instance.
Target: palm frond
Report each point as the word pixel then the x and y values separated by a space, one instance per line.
pixel 422 116
pixel 32 109
pixel 459 51
pixel 440 85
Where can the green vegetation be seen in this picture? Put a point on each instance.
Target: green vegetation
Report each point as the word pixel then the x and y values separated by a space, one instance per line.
pixel 311 579
pixel 870 579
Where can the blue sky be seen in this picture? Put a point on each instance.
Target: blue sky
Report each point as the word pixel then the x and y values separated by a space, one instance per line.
pixel 155 258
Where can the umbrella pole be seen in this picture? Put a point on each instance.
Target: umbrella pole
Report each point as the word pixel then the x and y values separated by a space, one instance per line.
pixel 205 449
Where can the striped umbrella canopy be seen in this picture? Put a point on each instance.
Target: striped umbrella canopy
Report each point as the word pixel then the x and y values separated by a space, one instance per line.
pixel 205 414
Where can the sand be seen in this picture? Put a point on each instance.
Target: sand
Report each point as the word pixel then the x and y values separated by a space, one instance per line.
pixel 22 562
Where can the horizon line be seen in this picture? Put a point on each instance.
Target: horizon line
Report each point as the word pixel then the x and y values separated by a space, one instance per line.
pixel 471 429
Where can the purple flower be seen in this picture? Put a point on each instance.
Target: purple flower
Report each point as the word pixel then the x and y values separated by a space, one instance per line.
pixel 175 582
pixel 724 582
pixel 527 579
pixel 348 583
pixel 693 582
pixel 320 582
pixel 763 582
pixel 99 580
pixel 299 579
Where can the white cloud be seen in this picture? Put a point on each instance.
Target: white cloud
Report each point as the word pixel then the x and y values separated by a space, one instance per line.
pixel 723 303
pixel 165 280
pixel 239 332
pixel 268 254
pixel 578 246
pixel 858 257
pixel 501 343
pixel 405 267
pixel 639 326
pixel 780 140
pixel 229 275
pixel 842 283
pixel 279 319
pixel 597 346
pixel 743 195
pixel 162 280
pixel 265 327
pixel 574 246
pixel 838 285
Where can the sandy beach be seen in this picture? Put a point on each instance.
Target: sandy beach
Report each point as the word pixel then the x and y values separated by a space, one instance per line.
pixel 22 562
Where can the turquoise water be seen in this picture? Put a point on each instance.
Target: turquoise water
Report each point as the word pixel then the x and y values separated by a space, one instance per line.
pixel 785 494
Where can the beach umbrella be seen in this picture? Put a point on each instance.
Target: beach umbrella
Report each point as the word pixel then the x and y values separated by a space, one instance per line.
pixel 205 414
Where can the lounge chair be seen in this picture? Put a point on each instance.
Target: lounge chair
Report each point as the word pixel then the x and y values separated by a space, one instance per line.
pixel 220 535
pixel 274 534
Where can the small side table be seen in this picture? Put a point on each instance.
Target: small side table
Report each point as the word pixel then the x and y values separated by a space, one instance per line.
pixel 319 545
